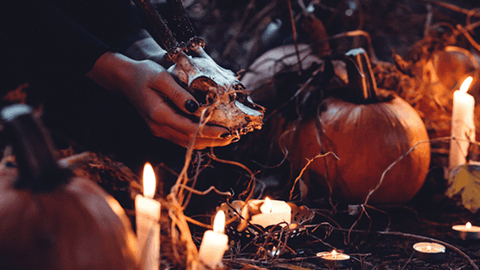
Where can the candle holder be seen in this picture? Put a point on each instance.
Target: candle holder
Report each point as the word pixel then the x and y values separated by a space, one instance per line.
pixel 466 232
pixel 238 213
pixel 333 259
pixel 429 251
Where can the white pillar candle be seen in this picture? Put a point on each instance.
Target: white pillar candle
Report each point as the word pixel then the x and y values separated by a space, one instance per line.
pixel 463 125
pixel 214 243
pixel 147 217
pixel 272 212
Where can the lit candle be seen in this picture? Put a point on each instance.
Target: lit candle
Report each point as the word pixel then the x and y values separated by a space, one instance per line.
pixel 147 217
pixel 429 251
pixel 272 212
pixel 214 243
pixel 333 258
pixel 466 232
pixel 463 126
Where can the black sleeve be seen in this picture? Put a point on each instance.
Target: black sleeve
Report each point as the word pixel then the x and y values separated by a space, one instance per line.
pixel 39 39
pixel 112 21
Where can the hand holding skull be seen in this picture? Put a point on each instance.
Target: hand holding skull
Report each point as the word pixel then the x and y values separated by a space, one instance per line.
pixel 152 90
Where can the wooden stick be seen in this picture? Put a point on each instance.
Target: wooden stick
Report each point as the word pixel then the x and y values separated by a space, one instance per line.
pixel 452 7
pixel 162 33
pixel 184 31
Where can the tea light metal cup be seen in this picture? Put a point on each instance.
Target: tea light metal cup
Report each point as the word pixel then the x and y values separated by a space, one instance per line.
pixel 429 251
pixel 466 232
pixel 333 259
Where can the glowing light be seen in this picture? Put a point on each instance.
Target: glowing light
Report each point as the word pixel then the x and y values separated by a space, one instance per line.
pixel 149 181
pixel 429 248
pixel 466 84
pixel 334 254
pixel 267 206
pixel 219 222
pixel 468 226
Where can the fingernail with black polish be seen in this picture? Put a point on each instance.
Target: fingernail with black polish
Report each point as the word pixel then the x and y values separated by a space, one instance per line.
pixel 191 105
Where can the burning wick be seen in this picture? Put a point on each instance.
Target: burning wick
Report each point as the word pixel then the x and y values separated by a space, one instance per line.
pixel 219 222
pixel 267 206
pixel 334 254
pixel 429 248
pixel 468 226
pixel 466 84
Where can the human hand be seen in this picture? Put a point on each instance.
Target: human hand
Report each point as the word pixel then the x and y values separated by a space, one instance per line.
pixel 149 87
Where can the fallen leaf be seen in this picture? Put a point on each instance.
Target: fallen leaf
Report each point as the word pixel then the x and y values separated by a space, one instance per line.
pixel 465 180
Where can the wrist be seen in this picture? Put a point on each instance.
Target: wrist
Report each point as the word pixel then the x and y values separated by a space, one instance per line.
pixel 110 69
pixel 146 48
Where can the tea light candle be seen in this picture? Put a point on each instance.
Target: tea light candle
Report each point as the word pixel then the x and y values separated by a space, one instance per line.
pixel 272 212
pixel 147 217
pixel 214 243
pixel 466 232
pixel 429 251
pixel 334 258
pixel 463 126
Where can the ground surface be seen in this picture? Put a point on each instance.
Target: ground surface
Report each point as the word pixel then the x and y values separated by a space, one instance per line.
pixel 235 34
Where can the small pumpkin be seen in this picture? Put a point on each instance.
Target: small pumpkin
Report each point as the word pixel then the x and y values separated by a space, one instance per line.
pixel 50 220
pixel 368 131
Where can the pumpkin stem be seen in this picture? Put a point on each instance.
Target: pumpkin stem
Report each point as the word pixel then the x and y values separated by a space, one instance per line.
pixel 361 81
pixel 33 149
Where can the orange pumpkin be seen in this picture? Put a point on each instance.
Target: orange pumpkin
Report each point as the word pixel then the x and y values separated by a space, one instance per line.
pixel 367 134
pixel 49 219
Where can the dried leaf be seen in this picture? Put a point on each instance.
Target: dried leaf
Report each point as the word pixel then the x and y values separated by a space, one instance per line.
pixel 465 180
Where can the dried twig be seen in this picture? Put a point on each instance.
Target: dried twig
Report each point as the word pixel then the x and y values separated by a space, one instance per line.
pixel 408 261
pixel 294 33
pixel 251 185
pixel 380 182
pixel 205 192
pixel 451 7
pixel 305 167
pixel 239 26
pixel 468 36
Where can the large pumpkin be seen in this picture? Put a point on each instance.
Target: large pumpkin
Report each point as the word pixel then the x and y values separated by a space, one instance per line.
pixel 367 134
pixel 50 220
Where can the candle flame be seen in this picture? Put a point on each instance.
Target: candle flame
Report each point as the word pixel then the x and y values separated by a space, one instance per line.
pixel 466 84
pixel 334 254
pixel 429 248
pixel 468 225
pixel 267 206
pixel 219 222
pixel 149 182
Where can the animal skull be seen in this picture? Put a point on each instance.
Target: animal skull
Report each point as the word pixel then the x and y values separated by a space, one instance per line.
pixel 223 98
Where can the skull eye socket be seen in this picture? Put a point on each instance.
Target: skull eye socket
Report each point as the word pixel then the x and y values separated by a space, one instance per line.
pixel 210 97
pixel 204 97
pixel 241 97
pixel 203 89
pixel 232 97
